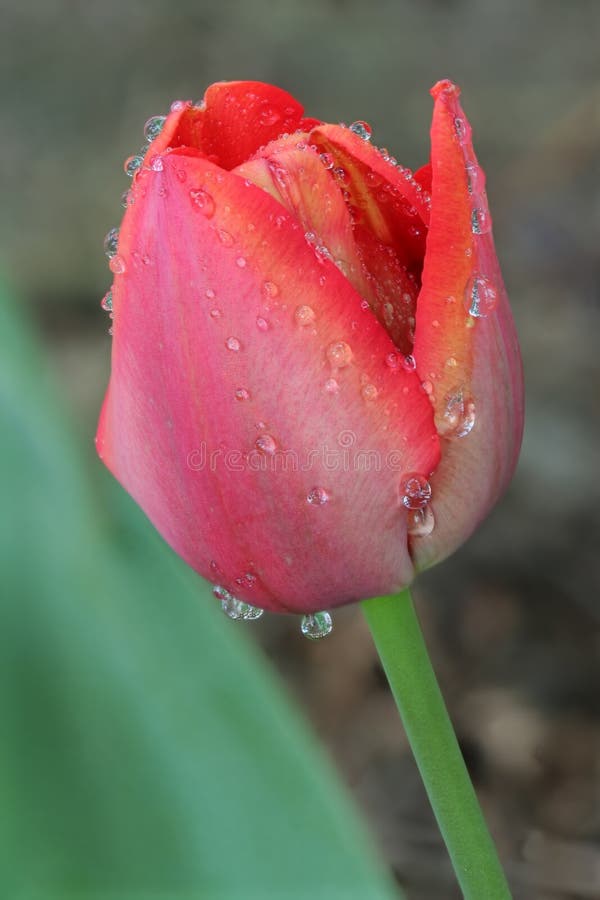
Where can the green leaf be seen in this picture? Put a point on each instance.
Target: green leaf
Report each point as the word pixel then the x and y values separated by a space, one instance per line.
pixel 147 749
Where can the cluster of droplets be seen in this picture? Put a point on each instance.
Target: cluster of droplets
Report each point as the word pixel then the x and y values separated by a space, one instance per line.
pixel 234 608
pixel 313 626
pixel 131 166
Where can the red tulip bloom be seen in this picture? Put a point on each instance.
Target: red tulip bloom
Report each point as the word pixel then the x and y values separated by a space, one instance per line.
pixel 316 385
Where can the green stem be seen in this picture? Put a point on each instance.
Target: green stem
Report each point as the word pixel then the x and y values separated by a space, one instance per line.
pixel 399 641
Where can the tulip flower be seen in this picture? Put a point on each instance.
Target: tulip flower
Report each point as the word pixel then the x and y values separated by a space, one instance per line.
pixel 316 386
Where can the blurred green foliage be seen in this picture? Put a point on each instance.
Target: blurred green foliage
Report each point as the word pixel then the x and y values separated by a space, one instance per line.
pixel 146 748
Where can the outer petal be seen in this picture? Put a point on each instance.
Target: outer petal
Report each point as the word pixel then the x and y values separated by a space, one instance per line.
pixel 470 363
pixel 225 415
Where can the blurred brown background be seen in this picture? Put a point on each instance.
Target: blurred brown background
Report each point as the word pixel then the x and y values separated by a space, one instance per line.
pixel 513 619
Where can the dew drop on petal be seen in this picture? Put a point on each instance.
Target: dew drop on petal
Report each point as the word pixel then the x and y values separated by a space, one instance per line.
pixel 362 129
pixel 339 354
pixel 117 264
pixel 216 313
pixel 234 608
pixel 269 290
pixel 266 443
pixel 409 363
pixel 132 165
pixel 369 392
pixel 240 262
pixel 242 394
pixel 327 160
pixel 210 294
pixel 317 496
pixel 126 198
pixel 111 242
pixel 420 522
pixel 232 344
pixel 153 127
pixel 262 324
pixel 481 221
pixel 331 386
pixel 392 361
pixel 481 296
pixel 458 417
pixel 204 202
pixel 415 490
pixel 316 626
pixel 304 315
pixel 107 302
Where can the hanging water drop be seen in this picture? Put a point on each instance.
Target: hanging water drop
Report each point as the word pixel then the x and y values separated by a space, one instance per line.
pixel 316 625
pixel 111 242
pixel 132 165
pixel 107 302
pixel 153 127
pixel 420 522
pixel 458 417
pixel 415 490
pixel 481 296
pixel 117 265
pixel 234 608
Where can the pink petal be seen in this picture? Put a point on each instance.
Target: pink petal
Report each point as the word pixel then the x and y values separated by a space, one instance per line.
pixel 470 363
pixel 221 378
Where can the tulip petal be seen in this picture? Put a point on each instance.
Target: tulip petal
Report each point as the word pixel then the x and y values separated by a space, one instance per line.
pixel 301 180
pixel 251 412
pixel 234 120
pixel 465 342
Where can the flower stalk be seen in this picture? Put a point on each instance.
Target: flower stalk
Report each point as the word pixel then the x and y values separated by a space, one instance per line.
pixel 397 634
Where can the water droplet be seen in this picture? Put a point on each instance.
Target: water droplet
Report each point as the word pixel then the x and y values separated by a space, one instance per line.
pixel 153 127
pixel 327 160
pixel 369 392
pixel 409 363
pixel 210 294
pixel 269 116
pixel 481 221
pixel 107 302
pixel 458 418
pixel 234 608
pixel 132 165
pixel 316 626
pixel 178 105
pixel 224 237
pixel 233 344
pixel 117 265
pixel 156 164
pixel 110 242
pixel 481 297
pixel 460 129
pixel 317 496
pixel 304 315
pixel 181 175
pixel 262 324
pixel 242 394
pixel 362 129
pixel 420 522
pixel 204 202
pixel 331 386
pixel 341 174
pixel 427 387
pixel 126 199
pixel 266 443
pixel 269 290
pixel 473 173
pixel 339 354
pixel 415 490
pixel 216 313
pixel 451 362
pixel 392 360
pixel 240 262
